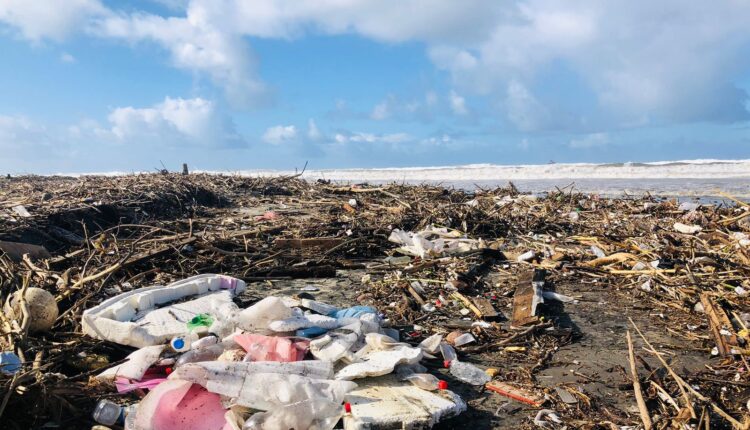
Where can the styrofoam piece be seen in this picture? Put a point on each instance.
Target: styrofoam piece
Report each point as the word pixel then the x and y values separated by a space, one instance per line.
pixel 138 362
pixel 687 229
pixel 133 319
pixel 248 385
pixel 257 317
pixel 297 322
pixel 334 345
pixel 378 363
pixel 385 403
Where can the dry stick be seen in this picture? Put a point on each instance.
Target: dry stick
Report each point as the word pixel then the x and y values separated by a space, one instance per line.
pixel 637 386
pixel 682 385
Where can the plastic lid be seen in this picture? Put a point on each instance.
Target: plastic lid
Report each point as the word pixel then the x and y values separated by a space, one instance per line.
pixel 447 364
pixel 442 385
pixel 178 343
pixel 348 407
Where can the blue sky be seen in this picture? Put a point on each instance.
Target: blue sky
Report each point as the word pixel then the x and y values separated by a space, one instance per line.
pixel 90 85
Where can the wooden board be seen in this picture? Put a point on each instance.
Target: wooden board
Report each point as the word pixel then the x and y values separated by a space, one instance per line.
pixel 523 300
pixel 485 307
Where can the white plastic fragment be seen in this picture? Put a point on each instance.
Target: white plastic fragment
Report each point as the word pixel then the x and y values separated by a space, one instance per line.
pixel 139 318
pixel 305 321
pixel 688 206
pixel 464 339
pixel 540 421
pixel 526 256
pixel 431 345
pixel 687 229
pixel 21 211
pixel 432 242
pixel 378 363
pixel 257 317
pixel 138 362
pixel 385 403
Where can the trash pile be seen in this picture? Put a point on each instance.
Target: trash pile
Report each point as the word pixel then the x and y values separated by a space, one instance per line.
pixel 210 301
pixel 282 363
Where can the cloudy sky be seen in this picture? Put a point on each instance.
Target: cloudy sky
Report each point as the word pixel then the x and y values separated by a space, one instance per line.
pixel 94 85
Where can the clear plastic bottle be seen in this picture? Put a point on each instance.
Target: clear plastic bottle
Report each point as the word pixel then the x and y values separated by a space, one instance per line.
pixel 107 412
pixel 424 381
pixel 469 373
pixel 129 413
pixel 208 353
pixel 449 354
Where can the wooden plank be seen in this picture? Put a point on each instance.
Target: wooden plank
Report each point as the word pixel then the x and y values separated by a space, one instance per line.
pixel 524 299
pixel 719 322
pixel 313 242
pixel 485 307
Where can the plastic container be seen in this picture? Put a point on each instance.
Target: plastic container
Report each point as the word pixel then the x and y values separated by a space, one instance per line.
pixel 469 373
pixel 108 413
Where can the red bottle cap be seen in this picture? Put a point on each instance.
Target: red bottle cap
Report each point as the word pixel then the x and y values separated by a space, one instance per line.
pixel 168 370
pixel 447 364
pixel 348 408
pixel 442 385
pixel 438 303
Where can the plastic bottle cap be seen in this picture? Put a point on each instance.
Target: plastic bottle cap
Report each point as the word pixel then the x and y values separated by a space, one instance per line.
pixel 442 385
pixel 348 407
pixel 178 343
pixel 168 370
pixel 447 364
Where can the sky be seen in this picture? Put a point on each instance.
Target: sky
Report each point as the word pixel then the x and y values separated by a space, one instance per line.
pixel 98 86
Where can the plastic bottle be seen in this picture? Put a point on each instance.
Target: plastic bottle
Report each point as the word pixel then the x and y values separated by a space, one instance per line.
pixel 449 354
pixel 208 353
pixel 424 381
pixel 129 413
pixel 108 413
pixel 469 373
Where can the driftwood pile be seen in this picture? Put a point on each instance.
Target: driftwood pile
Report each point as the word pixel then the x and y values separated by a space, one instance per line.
pixel 649 326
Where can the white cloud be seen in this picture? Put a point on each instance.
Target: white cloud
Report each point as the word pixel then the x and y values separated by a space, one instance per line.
pixel 380 111
pixel 177 121
pixel 67 58
pixel 48 19
pixel 458 104
pixel 280 134
pixel 663 61
pixel 523 109
pixel 313 133
pixel 590 141
pixel 20 134
pixel 360 137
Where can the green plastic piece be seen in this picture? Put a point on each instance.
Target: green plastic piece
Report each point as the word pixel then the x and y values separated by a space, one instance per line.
pixel 200 320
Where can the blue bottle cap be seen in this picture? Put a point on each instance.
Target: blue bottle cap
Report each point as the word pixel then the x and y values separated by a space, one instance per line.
pixel 178 343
